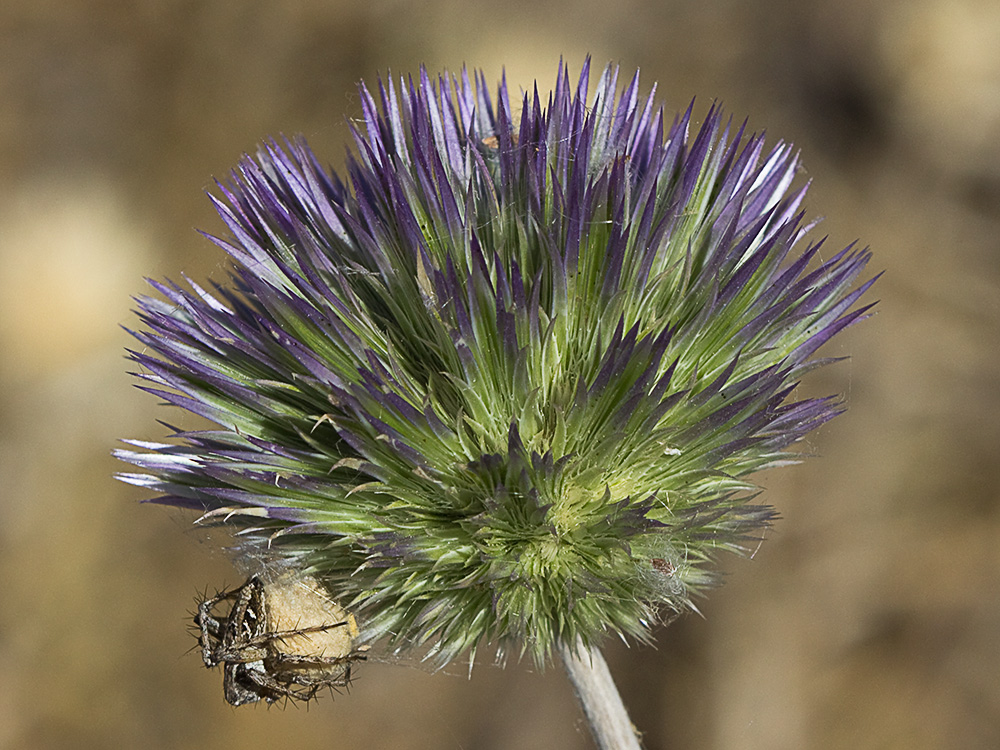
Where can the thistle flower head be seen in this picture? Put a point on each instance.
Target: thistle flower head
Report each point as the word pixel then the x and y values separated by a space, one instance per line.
pixel 506 381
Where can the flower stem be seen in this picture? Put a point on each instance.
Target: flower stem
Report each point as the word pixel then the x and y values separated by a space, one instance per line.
pixel 595 688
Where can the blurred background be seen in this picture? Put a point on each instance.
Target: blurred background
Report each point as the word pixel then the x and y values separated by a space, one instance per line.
pixel 870 617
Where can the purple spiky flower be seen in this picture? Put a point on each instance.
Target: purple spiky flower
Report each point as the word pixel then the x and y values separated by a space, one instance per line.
pixel 505 383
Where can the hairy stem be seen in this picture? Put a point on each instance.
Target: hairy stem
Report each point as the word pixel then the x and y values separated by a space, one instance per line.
pixel 599 697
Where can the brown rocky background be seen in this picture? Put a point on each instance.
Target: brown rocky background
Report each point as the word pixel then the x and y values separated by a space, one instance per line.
pixel 869 619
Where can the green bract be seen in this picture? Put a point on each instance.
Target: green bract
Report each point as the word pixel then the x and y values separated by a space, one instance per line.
pixel 506 383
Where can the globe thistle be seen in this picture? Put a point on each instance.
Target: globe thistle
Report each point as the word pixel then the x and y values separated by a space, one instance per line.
pixel 506 381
